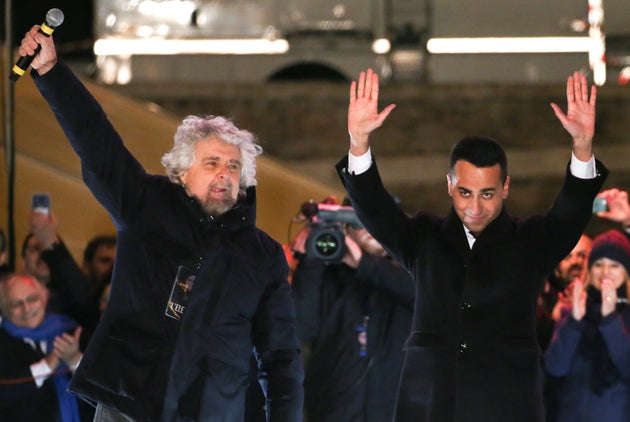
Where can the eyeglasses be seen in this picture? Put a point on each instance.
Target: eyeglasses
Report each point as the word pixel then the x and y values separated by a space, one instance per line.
pixel 30 299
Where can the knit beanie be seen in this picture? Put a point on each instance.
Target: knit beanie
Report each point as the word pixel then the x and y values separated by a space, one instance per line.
pixel 612 245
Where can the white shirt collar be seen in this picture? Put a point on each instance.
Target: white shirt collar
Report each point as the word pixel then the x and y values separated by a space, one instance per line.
pixel 469 236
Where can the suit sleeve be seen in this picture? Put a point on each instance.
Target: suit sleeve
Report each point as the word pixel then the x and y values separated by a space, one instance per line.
pixel 73 284
pixel 388 277
pixel 378 212
pixel 568 217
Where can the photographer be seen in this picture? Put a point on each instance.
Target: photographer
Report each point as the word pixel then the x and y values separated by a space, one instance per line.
pixel 353 315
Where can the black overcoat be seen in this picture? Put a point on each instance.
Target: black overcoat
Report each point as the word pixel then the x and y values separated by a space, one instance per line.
pixel 472 354
pixel 141 361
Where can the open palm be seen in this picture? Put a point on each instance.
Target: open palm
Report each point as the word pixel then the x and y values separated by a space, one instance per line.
pixel 363 115
pixel 579 120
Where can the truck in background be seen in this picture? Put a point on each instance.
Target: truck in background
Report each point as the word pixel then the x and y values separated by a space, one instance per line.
pixel 536 41
pixel 420 40
pixel 252 40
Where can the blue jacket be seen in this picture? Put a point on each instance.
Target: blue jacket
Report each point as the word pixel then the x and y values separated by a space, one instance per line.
pixel 140 361
pixel 571 355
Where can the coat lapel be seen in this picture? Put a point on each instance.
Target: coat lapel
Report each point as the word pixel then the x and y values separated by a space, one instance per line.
pixel 455 236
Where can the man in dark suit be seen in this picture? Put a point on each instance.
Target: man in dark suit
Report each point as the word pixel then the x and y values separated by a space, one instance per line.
pixel 473 353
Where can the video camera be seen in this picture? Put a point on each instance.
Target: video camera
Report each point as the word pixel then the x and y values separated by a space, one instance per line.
pixel 326 241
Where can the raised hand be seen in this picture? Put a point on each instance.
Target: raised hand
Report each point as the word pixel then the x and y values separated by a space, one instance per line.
pixel 46 58
pixel 618 206
pixel 363 115
pixel 353 254
pixel 564 303
pixel 66 347
pixel 44 228
pixel 299 243
pixel 580 118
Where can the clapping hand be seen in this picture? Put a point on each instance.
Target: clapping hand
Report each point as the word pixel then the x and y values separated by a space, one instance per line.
pixel 578 309
pixel 66 347
pixel 609 297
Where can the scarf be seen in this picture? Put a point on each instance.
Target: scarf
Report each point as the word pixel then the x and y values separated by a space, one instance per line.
pixel 52 326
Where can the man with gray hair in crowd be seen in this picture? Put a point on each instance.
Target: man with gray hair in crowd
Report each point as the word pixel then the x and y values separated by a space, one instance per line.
pixel 196 286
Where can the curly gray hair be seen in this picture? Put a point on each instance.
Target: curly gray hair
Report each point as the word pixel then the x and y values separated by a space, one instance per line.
pixel 195 128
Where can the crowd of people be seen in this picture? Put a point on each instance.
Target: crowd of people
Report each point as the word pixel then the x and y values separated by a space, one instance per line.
pixel 49 307
pixel 587 357
pixel 352 317
pixel 475 316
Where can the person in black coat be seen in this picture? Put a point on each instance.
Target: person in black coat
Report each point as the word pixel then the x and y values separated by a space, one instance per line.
pixel 196 287
pixel 473 353
pixel 69 286
pixel 353 316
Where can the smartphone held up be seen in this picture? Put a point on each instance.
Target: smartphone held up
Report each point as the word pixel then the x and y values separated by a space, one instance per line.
pixel 40 202
pixel 600 205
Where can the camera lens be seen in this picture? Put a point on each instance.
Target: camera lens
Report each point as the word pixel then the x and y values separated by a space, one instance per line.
pixel 326 244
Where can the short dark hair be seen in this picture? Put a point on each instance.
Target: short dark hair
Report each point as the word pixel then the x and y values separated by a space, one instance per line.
pixel 480 151
pixel 95 243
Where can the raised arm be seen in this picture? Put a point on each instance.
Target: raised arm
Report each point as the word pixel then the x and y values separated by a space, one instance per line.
pixel 113 175
pixel 363 115
pixel 579 120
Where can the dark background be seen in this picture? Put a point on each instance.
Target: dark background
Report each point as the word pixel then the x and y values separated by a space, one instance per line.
pixel 75 34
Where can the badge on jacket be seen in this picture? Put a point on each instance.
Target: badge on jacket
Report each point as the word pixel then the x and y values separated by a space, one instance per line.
pixel 182 286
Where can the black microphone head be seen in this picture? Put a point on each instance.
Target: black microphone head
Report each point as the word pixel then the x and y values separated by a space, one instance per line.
pixel 54 18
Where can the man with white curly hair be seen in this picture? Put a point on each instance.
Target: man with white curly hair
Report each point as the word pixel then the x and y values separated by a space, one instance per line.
pixel 196 285
pixel 220 136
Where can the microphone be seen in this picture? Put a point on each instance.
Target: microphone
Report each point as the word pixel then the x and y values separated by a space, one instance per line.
pixel 54 18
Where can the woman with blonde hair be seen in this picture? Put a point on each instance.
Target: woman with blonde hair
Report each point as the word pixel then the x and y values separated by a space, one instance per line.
pixel 590 348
